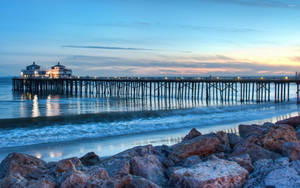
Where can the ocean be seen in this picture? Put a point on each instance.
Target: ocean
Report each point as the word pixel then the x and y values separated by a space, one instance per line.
pixel 53 127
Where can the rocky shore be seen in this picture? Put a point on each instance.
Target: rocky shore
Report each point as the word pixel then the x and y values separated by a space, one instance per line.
pixel 265 155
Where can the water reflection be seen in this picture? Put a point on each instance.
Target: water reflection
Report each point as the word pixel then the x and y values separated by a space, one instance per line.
pixel 35 107
pixel 56 105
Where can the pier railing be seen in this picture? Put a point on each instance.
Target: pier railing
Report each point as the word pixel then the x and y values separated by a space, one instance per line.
pixel 208 88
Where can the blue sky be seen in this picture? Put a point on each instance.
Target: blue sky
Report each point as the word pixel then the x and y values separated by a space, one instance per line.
pixel 152 37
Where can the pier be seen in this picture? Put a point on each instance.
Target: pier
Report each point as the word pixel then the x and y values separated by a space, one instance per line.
pixel 206 88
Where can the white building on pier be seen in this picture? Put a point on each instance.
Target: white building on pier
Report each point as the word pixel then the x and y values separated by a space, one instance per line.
pixel 56 71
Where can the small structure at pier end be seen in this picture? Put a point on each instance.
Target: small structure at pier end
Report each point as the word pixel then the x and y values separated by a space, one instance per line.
pixel 33 70
pixel 56 71
pixel 59 71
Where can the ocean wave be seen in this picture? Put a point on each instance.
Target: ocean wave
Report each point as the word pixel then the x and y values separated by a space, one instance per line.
pixel 103 125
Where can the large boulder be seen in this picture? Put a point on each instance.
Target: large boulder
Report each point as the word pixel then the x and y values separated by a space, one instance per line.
pixel 255 151
pixel 24 165
pixel 277 136
pixel 90 159
pixel 233 139
pixel 70 164
pixel 224 139
pixel 202 146
pixel 212 173
pixel 244 161
pixel 292 150
pixel 252 130
pixel 298 134
pixel 135 182
pixel 192 134
pixel 148 167
pixel 17 181
pixel 119 165
pixel 76 179
pixel 279 174
pixel 293 121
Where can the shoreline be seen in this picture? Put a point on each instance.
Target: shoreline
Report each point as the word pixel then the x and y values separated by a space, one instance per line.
pixel 107 146
pixel 257 157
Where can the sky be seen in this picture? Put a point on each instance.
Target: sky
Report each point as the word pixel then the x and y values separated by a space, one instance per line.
pixel 152 37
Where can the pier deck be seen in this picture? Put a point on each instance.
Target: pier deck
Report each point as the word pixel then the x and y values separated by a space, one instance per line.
pixel 206 88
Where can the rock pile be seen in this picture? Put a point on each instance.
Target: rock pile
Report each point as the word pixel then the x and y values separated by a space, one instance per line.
pixel 262 156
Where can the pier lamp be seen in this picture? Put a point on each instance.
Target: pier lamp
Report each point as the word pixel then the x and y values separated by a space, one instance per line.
pixel 166 78
pixel 261 78
pixel 238 78
pixel 286 78
pixel 218 78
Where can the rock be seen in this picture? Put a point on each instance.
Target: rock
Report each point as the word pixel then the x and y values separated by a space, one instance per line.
pixel 255 151
pixel 292 150
pixel 148 167
pixel 202 146
pixel 298 134
pixel 192 160
pixel 136 182
pixel 90 159
pixel 97 173
pixel 233 139
pixel 75 180
pixel 71 164
pixel 17 181
pixel 279 173
pixel 212 173
pixel 277 136
pixel 117 167
pixel 244 161
pixel 268 124
pixel 225 145
pixel 139 151
pixel 192 134
pixel 293 121
pixel 249 130
pixel 25 165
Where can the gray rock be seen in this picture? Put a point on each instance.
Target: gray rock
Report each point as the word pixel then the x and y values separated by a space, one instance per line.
pixel 293 121
pixel 298 134
pixel 233 139
pixel 90 159
pixel 192 134
pixel 135 182
pixel 292 150
pixel 191 161
pixel 250 130
pixel 279 174
pixel 212 173
pixel 244 161
pixel 25 165
pixel 148 167
pixel 255 151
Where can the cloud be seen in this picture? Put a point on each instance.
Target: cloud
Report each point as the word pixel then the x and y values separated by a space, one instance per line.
pixel 108 66
pixel 106 48
pixel 219 28
pixel 296 59
pixel 263 3
pixel 147 25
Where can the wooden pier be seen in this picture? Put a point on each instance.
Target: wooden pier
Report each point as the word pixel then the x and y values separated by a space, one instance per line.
pixel 220 89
